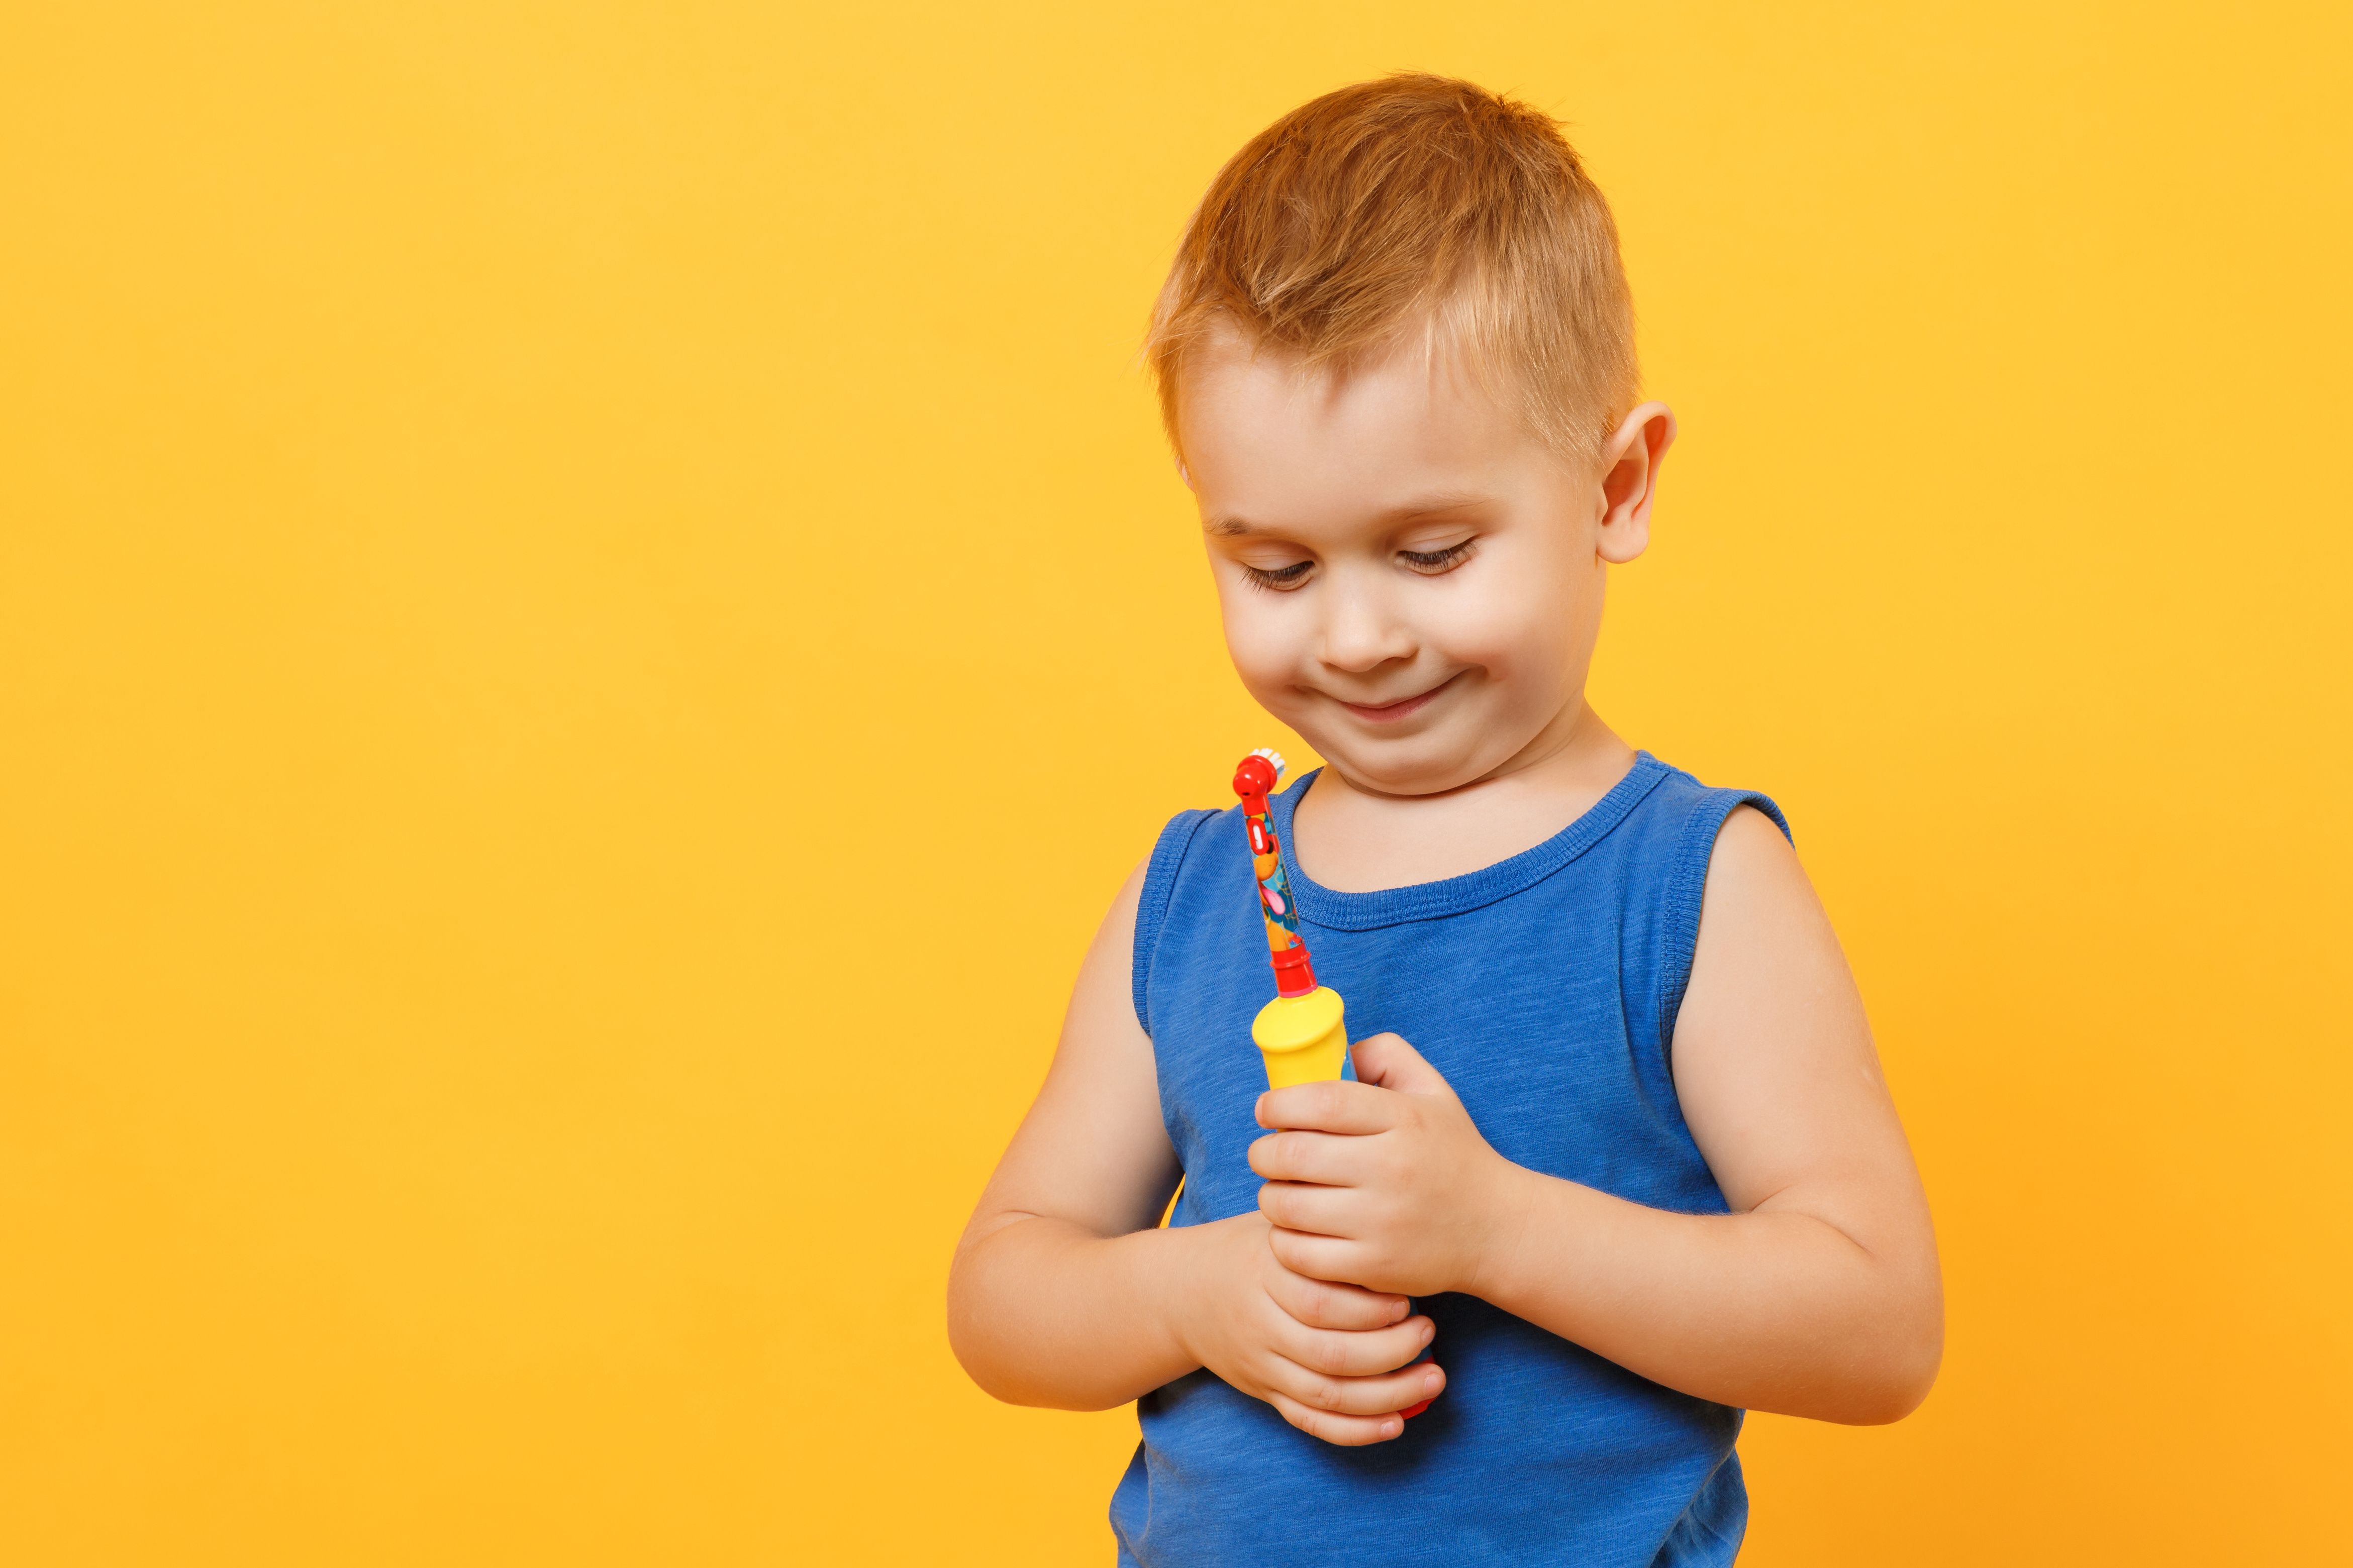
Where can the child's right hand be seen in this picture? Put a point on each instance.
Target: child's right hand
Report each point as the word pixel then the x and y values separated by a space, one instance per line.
pixel 1334 1360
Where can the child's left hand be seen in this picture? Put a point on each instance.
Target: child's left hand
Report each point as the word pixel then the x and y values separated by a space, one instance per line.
pixel 1383 1182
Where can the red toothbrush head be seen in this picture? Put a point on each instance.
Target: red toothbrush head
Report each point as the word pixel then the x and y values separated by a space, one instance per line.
pixel 1254 779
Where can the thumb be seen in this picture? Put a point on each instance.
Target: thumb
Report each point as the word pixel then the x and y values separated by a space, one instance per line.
pixel 1386 1061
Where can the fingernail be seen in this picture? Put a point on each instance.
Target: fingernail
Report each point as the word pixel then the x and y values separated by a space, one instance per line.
pixel 1432 1381
pixel 1392 1428
pixel 1429 1332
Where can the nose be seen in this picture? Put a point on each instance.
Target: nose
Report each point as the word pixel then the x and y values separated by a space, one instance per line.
pixel 1361 630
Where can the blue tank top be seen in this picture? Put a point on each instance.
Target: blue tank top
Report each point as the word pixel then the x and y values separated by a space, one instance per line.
pixel 1539 1451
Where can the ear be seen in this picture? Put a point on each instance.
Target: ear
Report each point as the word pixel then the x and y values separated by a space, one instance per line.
pixel 1184 473
pixel 1629 480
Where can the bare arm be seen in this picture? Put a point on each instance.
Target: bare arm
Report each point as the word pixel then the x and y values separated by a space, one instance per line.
pixel 1065 1293
pixel 1055 1293
pixel 1817 1295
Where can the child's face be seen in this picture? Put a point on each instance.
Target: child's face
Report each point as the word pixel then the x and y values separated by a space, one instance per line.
pixel 1409 578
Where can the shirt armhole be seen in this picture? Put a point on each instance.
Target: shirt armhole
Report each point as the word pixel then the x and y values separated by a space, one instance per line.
pixel 1687 891
pixel 1152 904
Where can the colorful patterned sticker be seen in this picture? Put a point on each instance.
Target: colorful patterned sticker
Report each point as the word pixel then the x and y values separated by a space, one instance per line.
pixel 1273 886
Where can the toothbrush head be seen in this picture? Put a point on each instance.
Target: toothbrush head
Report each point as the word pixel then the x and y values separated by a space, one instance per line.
pixel 1256 777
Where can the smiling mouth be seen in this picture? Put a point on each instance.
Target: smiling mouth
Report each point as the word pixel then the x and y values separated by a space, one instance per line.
pixel 1390 713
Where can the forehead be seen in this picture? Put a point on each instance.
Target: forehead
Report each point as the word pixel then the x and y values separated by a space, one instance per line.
pixel 1270 440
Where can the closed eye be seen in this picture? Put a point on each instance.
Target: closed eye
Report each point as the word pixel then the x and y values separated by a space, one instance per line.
pixel 1279 578
pixel 1435 562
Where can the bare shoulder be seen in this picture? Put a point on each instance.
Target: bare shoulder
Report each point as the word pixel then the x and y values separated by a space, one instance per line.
pixel 1101 1027
pixel 1759 903
pixel 1102 996
pixel 1751 855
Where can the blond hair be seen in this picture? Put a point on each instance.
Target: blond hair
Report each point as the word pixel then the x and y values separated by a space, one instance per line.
pixel 1413 202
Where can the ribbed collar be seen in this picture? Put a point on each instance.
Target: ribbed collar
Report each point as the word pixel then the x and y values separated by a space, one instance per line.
pixel 1433 900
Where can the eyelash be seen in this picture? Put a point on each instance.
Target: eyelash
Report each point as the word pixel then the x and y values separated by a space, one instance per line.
pixel 1429 562
pixel 1435 561
pixel 1280 578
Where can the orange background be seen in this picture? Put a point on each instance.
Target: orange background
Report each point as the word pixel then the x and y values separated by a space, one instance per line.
pixel 559 560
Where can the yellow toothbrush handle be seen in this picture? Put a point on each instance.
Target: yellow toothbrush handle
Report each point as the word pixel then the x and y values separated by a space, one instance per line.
pixel 1304 1039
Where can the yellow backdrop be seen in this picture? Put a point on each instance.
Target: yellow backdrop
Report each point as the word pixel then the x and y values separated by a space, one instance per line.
pixel 554 555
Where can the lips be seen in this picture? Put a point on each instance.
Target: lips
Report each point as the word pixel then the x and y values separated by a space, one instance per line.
pixel 1390 713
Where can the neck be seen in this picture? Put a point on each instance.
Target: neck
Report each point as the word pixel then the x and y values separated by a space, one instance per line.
pixel 1356 839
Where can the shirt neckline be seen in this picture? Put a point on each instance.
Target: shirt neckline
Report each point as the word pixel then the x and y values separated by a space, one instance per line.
pixel 1336 910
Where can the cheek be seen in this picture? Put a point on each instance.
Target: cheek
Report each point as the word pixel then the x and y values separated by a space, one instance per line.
pixel 1518 628
pixel 1265 645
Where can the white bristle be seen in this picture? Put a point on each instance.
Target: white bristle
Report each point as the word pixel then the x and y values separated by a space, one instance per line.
pixel 1271 755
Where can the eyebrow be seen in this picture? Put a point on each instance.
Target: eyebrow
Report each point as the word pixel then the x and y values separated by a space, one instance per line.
pixel 1424 506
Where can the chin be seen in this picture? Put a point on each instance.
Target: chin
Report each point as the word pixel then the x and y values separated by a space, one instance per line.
pixel 1416 765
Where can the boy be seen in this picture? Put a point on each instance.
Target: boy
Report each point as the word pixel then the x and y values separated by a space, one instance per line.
pixel 1619 1133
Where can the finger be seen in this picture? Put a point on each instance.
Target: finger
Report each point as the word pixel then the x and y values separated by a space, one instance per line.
pixel 1380 1394
pixel 1313 1210
pixel 1333 1105
pixel 1327 1258
pixel 1347 1431
pixel 1368 1353
pixel 1328 1158
pixel 1388 1062
pixel 1320 1304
